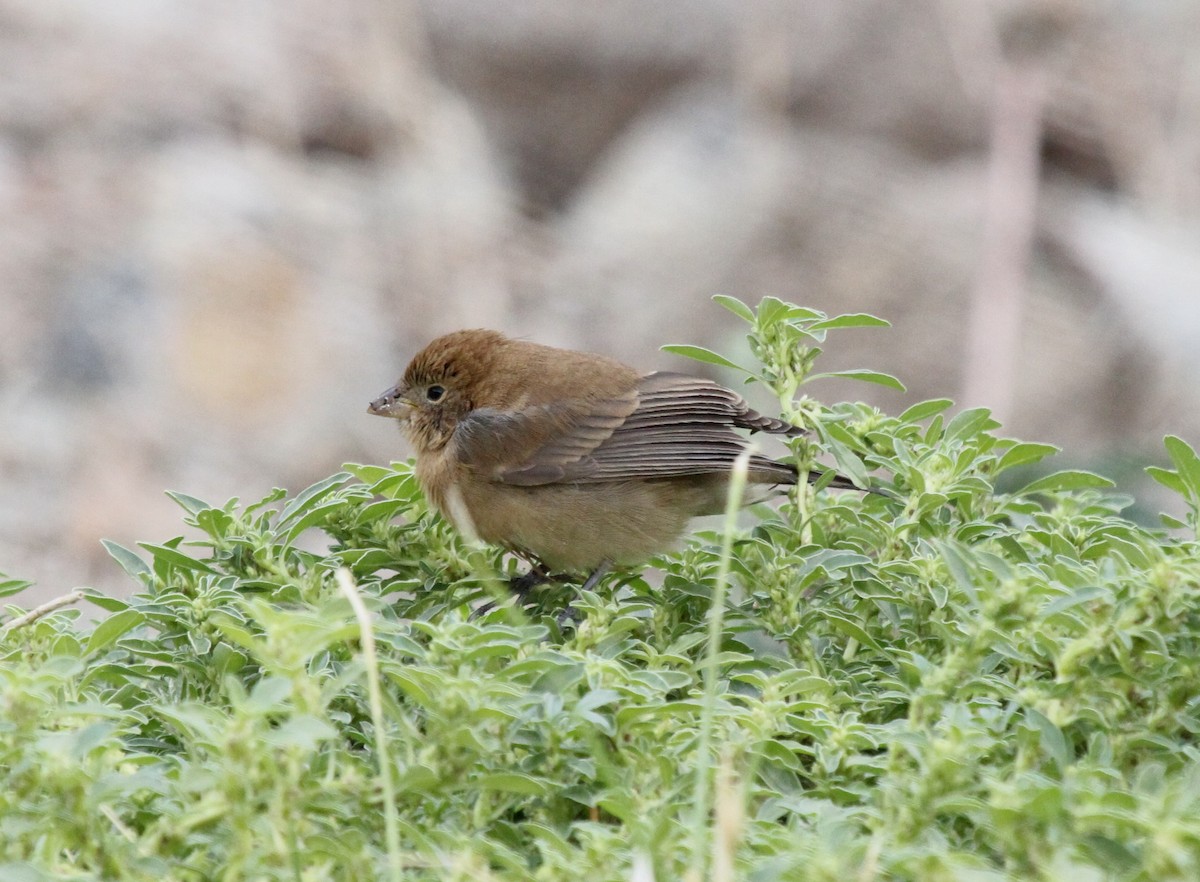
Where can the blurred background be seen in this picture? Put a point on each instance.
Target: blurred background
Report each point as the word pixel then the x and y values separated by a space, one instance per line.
pixel 228 224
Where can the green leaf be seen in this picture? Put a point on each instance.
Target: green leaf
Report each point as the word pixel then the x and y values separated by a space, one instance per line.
pixel 315 515
pixel 598 698
pixel 960 568
pixel 1070 479
pixel 1085 594
pixel 801 315
pixel 23 871
pixel 190 504
pixel 384 509
pixel 109 630
pixel 852 320
pixel 848 462
pixel 699 353
pixel 198 721
pixel 821 479
pixel 309 497
pixel 866 376
pixel 271 498
pixel 1186 463
pixel 851 628
pixel 735 306
pixel 104 601
pixel 1168 478
pixel 1025 453
pixel 925 409
pixel 303 731
pixel 969 423
pixel 129 560
pixel 414 684
pixel 9 587
pixel 214 522
pixel 234 631
pixel 398 483
pixel 512 782
pixel 269 694
pixel 368 474
pixel 936 430
pixel 177 558
pixel 772 310
pixel 1053 742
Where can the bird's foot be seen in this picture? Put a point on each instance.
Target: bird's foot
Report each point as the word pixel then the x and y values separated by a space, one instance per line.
pixel 569 616
pixel 521 587
pixel 599 573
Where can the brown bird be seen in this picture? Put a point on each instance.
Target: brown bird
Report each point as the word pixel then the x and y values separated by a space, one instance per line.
pixel 574 461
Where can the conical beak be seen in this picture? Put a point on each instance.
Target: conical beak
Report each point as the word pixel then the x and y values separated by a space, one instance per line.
pixel 391 403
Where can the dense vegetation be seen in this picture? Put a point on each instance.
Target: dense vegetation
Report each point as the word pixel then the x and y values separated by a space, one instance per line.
pixel 952 684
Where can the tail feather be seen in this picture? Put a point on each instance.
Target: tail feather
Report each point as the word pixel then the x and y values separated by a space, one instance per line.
pixel 841 482
pixel 838 482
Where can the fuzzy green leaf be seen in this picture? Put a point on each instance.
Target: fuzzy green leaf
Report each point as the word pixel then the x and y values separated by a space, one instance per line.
pixel 1168 478
pixel 735 306
pixel 853 629
pixel 190 504
pixel 112 628
pixel 866 376
pixel 969 423
pixel 925 409
pixel 1070 479
pixel 8 587
pixel 1186 463
pixel 104 601
pixel 1024 454
pixel 852 320
pixel 130 562
pixel 175 557
pixel 309 498
pixel 699 353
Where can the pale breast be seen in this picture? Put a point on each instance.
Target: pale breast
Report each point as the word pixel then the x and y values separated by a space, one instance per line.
pixel 575 527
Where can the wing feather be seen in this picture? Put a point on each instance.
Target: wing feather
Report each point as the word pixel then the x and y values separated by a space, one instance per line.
pixel 668 425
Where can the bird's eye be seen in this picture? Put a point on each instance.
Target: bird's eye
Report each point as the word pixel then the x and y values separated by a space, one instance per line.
pixel 434 393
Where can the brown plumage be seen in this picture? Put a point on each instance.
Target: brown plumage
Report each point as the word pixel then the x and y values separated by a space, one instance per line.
pixel 571 459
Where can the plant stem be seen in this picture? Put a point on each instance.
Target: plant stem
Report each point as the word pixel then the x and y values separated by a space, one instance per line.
pixel 716 619
pixel 371 662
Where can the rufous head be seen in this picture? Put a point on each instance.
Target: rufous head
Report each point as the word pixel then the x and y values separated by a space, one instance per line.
pixel 441 384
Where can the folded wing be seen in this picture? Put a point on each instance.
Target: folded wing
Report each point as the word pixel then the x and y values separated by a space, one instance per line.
pixel 669 425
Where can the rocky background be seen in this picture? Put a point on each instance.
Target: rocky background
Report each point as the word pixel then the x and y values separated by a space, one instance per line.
pixel 227 225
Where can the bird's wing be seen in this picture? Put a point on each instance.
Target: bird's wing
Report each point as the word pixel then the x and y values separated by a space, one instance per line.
pixel 669 425
pixel 539 440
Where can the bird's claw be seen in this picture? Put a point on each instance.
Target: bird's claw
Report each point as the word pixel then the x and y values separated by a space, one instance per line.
pixel 568 616
pixel 522 587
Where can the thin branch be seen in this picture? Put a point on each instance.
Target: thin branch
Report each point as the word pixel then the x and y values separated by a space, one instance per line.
pixel 994 332
pixel 45 609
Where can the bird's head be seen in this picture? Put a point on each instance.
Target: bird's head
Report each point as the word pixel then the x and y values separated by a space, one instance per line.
pixel 445 381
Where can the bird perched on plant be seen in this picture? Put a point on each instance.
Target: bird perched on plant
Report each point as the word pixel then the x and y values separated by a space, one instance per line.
pixel 575 461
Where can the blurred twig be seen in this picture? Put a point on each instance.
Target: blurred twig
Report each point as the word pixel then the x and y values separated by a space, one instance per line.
pixel 45 609
pixel 993 336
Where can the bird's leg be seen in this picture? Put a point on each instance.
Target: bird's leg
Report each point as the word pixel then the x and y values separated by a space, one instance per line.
pixel 521 586
pixel 599 573
pixel 570 615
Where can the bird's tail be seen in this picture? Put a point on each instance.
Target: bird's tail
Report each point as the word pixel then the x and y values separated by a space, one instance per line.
pixel 841 482
pixel 764 470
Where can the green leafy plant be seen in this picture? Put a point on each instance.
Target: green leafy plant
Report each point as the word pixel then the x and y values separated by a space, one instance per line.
pixel 953 683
